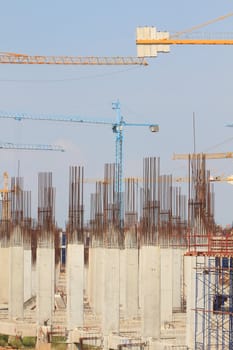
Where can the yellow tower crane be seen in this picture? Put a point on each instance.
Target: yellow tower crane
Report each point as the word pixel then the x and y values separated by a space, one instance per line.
pixel 150 42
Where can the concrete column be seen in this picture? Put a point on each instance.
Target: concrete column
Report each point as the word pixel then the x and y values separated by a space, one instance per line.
pixel 166 286
pixel 45 264
pixel 99 280
pixel 86 279
pixel 75 285
pixel 177 278
pixel 34 279
pixel 16 275
pixel 205 290
pixel 132 275
pixel 93 282
pixel 4 274
pixel 140 279
pixel 123 280
pixel 150 292
pixel 111 307
pixel 89 276
pixel 27 274
pixel 57 274
pixel 190 283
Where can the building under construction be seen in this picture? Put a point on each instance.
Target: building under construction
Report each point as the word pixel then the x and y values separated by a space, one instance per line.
pixel 150 269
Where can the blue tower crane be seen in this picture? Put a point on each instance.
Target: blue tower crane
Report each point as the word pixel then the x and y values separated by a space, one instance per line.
pixel 117 127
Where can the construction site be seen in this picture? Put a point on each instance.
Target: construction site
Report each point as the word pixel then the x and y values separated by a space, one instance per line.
pixel 149 269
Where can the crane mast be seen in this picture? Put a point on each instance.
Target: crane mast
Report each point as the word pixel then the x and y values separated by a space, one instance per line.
pixel 118 130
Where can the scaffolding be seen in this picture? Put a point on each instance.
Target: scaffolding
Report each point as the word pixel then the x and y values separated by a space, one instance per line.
pixel 214 302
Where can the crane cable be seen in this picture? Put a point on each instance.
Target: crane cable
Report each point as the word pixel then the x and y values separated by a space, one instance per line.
pixel 178 34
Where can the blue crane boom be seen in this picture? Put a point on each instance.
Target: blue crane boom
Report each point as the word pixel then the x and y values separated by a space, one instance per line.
pixel 117 127
pixel 30 147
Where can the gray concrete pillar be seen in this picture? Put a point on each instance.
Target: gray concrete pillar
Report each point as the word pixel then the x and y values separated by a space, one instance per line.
pixel 75 285
pixel 45 266
pixel 190 284
pixel 89 275
pixel 99 280
pixel 86 279
pixel 111 307
pixel 57 274
pixel 132 275
pixel 34 279
pixel 177 279
pixel 16 275
pixel 123 280
pixel 4 274
pixel 166 286
pixel 27 274
pixel 94 278
pixel 150 292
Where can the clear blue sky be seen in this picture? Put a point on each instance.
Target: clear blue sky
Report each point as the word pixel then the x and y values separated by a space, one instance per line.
pixel 167 92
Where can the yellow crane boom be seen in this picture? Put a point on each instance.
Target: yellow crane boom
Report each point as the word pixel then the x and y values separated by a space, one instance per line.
pixel 16 58
pixel 200 155
pixel 217 178
pixel 171 41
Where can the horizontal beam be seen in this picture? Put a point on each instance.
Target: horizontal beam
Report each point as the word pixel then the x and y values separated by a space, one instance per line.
pixel 11 58
pixel 31 147
pixel 184 42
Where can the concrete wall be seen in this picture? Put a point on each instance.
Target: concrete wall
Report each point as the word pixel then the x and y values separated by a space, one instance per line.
pixel 21 328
